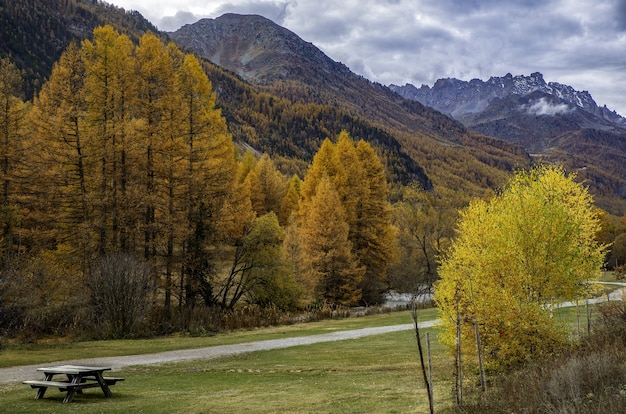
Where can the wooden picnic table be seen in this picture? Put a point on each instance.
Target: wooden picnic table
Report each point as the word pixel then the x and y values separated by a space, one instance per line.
pixel 77 378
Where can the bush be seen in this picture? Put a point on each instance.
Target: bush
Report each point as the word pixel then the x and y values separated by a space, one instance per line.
pixel 121 291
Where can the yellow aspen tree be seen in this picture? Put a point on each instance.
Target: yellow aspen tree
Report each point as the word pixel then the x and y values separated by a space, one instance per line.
pixel 329 263
pixel 513 256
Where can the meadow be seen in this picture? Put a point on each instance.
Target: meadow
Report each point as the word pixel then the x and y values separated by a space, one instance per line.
pixel 375 374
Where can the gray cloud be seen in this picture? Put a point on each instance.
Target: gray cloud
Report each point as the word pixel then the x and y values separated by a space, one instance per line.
pixel 172 23
pixel 273 10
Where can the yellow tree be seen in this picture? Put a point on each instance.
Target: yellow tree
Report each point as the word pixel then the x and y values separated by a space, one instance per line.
pixel 513 256
pixel 425 224
pixel 271 184
pixel 110 97
pixel 155 93
pixel 373 234
pixel 209 175
pixel 60 179
pixel 289 203
pixel 329 263
pixel 358 177
pixel 13 113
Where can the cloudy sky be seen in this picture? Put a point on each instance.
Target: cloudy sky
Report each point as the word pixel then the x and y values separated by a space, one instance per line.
pixel 581 43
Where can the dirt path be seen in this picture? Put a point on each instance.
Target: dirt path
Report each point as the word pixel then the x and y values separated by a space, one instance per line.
pixel 21 373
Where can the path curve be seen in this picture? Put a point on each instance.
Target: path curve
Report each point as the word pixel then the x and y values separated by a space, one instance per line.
pixel 21 373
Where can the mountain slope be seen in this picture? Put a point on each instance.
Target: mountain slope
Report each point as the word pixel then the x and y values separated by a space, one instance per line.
pixel 278 62
pixel 34 33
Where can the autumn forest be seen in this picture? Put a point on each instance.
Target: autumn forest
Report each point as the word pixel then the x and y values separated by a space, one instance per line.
pixel 122 187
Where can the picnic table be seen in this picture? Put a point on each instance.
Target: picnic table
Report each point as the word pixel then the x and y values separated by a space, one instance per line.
pixel 77 378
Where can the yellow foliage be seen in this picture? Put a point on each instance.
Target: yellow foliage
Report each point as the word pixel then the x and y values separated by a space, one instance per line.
pixel 515 254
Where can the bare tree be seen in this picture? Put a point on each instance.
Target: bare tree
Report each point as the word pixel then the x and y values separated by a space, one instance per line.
pixel 121 291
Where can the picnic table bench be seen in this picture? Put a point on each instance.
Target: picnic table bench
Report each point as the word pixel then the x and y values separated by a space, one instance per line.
pixel 77 378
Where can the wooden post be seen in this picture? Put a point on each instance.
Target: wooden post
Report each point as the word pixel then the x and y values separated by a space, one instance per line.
pixel 481 366
pixel 588 317
pixel 578 318
pixel 458 358
pixel 430 370
pixel 419 347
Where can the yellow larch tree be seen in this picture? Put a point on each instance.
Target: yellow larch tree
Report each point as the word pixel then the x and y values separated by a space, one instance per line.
pixel 374 236
pixel 13 112
pixel 329 264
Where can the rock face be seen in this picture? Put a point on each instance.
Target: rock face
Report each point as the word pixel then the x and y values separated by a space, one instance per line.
pixel 254 48
pixel 460 99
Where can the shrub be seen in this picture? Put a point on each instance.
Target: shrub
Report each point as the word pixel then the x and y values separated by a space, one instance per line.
pixel 121 290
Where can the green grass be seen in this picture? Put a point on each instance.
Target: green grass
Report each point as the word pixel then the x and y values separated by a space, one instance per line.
pixel 378 374
pixel 375 374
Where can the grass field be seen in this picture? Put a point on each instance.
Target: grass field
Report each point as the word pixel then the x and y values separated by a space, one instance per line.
pixel 373 374
pixel 376 374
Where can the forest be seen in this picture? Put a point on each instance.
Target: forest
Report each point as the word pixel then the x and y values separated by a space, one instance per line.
pixel 123 188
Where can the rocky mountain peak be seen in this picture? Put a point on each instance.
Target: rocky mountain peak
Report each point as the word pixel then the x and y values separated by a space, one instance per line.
pixel 463 98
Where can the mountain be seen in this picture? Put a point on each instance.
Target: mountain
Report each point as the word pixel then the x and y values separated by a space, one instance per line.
pixel 552 121
pixel 459 98
pixel 282 95
pixel 276 61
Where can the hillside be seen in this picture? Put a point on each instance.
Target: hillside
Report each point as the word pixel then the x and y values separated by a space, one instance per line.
pixel 290 99
pixel 276 61
pixel 34 33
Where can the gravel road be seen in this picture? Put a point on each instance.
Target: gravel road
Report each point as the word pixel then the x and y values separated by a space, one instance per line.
pixel 21 373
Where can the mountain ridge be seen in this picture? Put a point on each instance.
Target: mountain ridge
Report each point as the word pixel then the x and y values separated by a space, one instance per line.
pixel 551 121
pixel 304 75
pixel 459 98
